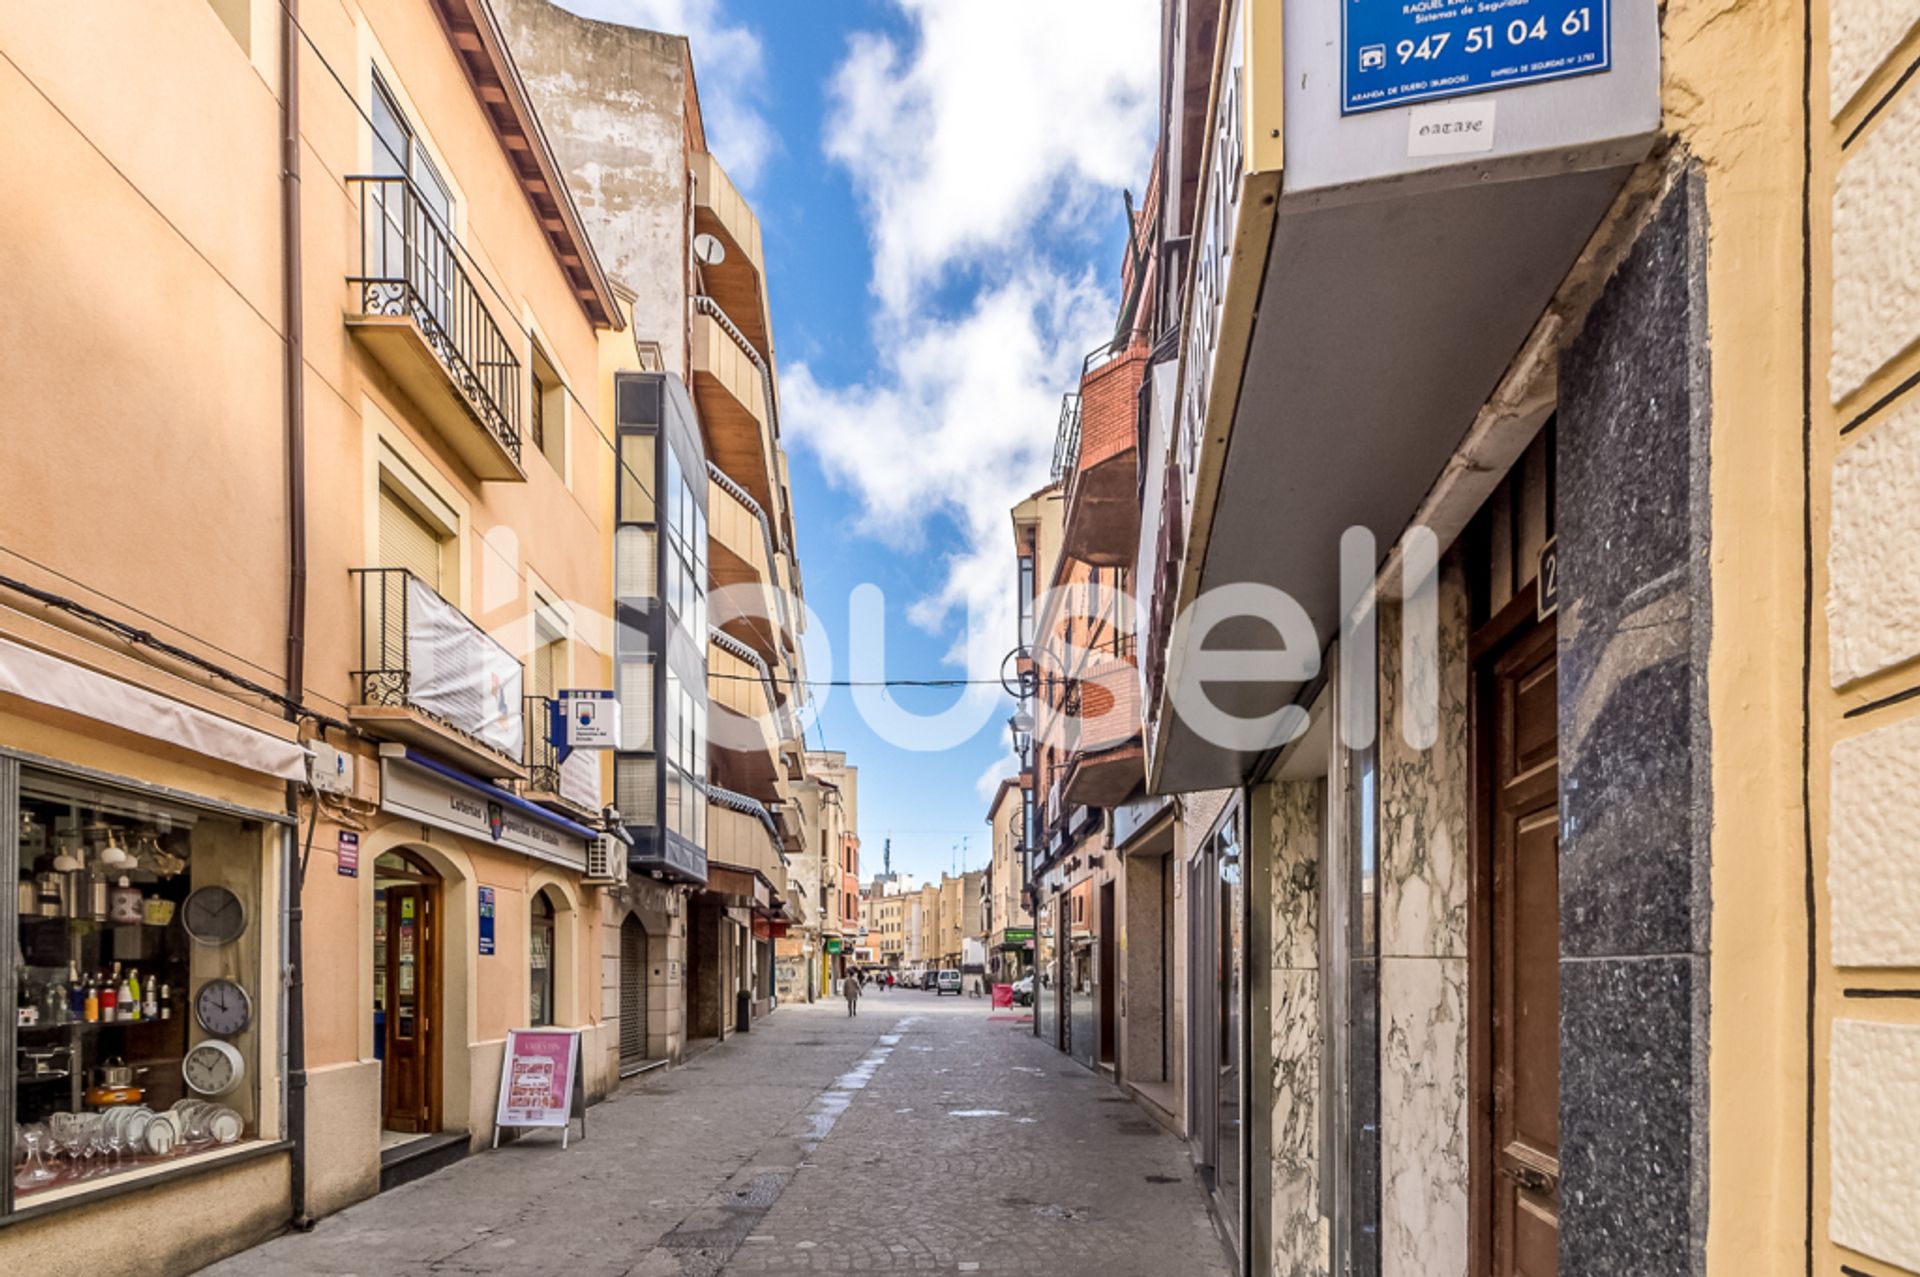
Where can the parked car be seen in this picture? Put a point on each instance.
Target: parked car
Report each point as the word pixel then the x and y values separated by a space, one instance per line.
pixel 1023 992
pixel 947 982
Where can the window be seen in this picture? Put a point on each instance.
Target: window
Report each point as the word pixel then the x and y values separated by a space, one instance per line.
pixel 540 951
pixel 114 887
pixel 397 153
pixel 547 405
pixel 408 539
pixel 1026 600
pixel 549 650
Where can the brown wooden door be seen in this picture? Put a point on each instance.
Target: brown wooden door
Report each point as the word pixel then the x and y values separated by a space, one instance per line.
pixel 412 974
pixel 1522 830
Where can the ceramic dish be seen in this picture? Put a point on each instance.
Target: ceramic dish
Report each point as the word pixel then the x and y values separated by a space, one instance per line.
pixel 225 1125
pixel 162 1133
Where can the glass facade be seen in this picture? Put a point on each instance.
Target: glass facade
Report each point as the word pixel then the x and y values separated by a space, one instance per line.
pixel 136 979
pixel 660 569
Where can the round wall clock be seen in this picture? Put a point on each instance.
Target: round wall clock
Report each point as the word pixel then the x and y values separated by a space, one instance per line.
pixel 222 1008
pixel 213 1068
pixel 214 915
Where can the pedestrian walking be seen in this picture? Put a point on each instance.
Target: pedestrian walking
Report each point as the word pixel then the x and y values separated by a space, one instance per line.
pixel 851 986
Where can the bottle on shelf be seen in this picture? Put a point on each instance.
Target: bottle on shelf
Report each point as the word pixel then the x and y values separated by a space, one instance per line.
pixel 90 1008
pixel 110 995
pixel 166 1002
pixel 127 1005
pixel 133 995
pixel 76 994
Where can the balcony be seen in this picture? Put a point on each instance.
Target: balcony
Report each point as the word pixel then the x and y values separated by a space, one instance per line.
pixel 1102 459
pixel 1105 761
pixel 572 786
pixel 741 836
pixel 416 311
pixel 743 557
pixel 736 281
pixel 743 735
pixel 431 678
pixel 735 393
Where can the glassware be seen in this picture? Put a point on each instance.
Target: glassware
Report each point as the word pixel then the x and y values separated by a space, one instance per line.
pixel 34 1171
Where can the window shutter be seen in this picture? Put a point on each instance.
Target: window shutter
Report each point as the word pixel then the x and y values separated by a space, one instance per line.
pixel 407 540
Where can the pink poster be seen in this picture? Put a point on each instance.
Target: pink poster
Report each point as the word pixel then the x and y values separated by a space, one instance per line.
pixel 536 1077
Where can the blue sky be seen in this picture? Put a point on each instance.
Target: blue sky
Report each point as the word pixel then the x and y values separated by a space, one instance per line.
pixel 939 190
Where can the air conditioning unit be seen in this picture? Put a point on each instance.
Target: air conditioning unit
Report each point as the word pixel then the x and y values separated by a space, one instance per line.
pixel 606 861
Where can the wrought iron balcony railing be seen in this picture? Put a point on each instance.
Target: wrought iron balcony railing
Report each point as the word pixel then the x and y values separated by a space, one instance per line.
pixel 420 653
pixel 1066 438
pixel 410 268
pixel 542 758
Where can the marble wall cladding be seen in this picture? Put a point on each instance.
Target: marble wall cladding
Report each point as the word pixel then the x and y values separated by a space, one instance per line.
pixel 1424 1112
pixel 1635 785
pixel 1299 820
pixel 1426 845
pixel 1419 1063
pixel 1299 1228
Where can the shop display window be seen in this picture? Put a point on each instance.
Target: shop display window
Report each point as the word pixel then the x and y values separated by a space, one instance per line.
pixel 136 975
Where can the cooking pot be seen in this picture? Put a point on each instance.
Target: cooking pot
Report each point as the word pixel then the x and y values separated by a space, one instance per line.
pixel 116 1072
pixel 108 1096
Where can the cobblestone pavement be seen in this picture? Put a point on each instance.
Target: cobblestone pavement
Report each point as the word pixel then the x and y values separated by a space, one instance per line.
pixel 920 1137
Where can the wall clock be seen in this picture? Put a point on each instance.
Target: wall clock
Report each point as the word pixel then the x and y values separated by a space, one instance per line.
pixel 214 915
pixel 213 1068
pixel 222 1008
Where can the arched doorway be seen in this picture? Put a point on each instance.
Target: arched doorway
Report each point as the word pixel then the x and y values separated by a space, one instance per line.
pixel 406 991
pixel 542 982
pixel 633 992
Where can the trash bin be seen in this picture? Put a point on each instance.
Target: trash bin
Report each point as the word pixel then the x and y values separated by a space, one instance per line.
pixel 743 1012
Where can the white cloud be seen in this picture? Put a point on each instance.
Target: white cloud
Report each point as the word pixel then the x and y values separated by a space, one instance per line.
pixel 988 152
pixel 1006 117
pixel 729 63
pixel 989 782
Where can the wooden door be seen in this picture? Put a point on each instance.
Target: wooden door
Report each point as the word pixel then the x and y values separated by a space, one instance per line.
pixel 412 974
pixel 1521 904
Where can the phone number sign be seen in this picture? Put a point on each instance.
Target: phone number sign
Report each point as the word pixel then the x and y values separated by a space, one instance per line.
pixel 1398 51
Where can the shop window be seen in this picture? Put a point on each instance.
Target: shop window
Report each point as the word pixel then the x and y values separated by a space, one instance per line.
pixel 540 951
pixel 138 983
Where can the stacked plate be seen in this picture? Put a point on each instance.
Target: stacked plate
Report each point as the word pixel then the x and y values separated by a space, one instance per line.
pixel 203 1122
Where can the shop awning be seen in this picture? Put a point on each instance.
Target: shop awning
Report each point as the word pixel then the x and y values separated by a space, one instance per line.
pixel 48 680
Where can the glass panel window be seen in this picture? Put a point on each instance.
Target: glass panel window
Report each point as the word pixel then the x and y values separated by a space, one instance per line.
pixel 636 478
pixel 636 705
pixel 139 983
pixel 636 564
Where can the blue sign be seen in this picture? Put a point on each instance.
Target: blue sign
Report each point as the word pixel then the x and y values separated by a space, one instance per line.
pixel 1398 51
pixel 486 920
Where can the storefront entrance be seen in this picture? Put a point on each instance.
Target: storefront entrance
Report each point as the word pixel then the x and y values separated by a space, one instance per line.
pixel 633 993
pixel 1214 1042
pixel 406 983
pixel 1517 1017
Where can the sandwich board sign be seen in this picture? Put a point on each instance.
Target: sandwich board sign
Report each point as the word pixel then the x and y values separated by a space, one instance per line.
pixel 540 1083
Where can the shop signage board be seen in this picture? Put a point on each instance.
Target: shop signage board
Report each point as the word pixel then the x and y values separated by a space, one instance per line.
pixel 591 719
pixel 486 921
pixel 474 810
pixel 833 944
pixel 1398 51
pixel 540 1083
pixel 347 855
pixel 1018 935
pixel 460 673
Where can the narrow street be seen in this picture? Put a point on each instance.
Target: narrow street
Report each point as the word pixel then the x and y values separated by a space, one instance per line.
pixel 922 1136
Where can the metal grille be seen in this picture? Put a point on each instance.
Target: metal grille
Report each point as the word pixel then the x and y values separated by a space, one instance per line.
pixel 633 991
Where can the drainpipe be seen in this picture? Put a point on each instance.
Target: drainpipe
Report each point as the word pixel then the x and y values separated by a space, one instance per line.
pixel 296 432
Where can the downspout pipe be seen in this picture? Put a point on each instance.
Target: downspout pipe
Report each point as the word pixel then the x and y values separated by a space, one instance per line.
pixel 296 443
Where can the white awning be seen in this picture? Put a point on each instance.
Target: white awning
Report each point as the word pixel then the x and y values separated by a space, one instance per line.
pixel 50 681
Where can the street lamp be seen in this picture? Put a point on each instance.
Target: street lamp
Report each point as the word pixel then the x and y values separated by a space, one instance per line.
pixel 1022 725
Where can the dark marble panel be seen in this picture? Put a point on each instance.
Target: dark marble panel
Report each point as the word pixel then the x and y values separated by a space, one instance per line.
pixel 1632 540
pixel 1363 991
pixel 1632 1117
pixel 1635 779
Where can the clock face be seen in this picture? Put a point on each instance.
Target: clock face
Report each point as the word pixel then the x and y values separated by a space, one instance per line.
pixel 222 1008
pixel 212 1068
pixel 214 916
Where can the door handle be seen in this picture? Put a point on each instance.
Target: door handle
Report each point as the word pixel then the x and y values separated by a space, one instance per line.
pixel 1530 1178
